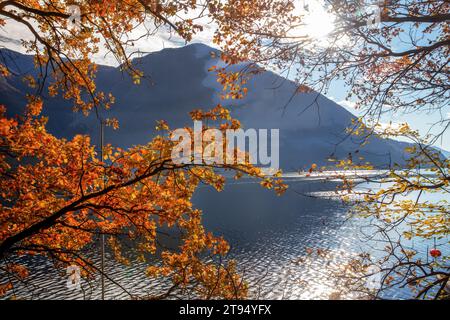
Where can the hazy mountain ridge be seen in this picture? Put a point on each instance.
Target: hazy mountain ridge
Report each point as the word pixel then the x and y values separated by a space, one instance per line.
pixel 312 127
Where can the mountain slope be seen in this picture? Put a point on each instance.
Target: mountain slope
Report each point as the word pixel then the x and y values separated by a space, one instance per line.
pixel 312 127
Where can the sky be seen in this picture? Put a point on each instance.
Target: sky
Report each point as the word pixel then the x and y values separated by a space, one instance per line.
pixel 318 24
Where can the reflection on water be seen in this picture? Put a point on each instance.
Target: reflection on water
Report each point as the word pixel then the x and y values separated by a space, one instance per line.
pixel 270 238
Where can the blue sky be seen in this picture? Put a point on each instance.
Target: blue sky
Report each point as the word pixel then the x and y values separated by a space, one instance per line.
pixel 418 120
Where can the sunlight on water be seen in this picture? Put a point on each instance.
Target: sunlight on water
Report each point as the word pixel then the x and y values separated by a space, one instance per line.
pixel 288 247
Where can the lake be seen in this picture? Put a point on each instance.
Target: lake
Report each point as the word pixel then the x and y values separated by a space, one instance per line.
pixel 270 237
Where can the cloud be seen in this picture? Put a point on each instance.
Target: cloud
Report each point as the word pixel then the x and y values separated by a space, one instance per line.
pixel 347 104
pixel 12 34
pixel 388 127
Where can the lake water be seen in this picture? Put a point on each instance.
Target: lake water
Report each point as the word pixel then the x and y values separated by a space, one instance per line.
pixel 269 237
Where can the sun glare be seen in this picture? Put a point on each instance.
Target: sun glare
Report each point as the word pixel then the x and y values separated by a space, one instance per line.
pixel 316 22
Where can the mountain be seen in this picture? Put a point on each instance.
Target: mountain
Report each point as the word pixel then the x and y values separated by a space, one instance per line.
pixel 312 127
pixel 444 153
